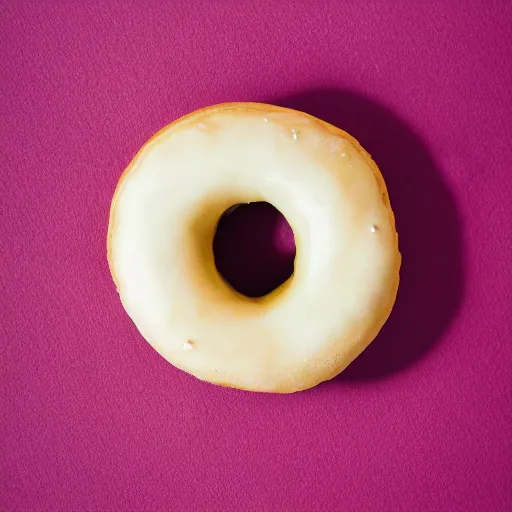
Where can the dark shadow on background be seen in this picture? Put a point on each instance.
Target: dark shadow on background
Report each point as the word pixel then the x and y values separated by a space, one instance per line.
pixel 254 249
pixel 428 225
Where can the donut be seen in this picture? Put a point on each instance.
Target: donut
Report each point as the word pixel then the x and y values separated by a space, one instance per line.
pixel 164 216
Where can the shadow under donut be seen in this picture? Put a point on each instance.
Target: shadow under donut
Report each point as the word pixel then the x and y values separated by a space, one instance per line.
pixel 428 225
pixel 254 245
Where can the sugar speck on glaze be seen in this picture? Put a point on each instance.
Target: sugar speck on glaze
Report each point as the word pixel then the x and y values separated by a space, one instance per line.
pixel 188 345
pixel 295 135
pixel 343 155
pixel 201 126
pixel 374 228
pixel 265 119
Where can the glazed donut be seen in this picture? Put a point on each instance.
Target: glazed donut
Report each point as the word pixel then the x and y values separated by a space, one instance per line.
pixel 164 216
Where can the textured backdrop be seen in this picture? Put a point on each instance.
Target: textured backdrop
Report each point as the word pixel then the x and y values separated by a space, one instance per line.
pixel 93 419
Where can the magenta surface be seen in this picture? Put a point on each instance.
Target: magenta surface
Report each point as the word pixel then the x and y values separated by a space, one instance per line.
pixel 93 419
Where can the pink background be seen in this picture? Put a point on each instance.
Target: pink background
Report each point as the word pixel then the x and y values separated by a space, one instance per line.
pixel 91 418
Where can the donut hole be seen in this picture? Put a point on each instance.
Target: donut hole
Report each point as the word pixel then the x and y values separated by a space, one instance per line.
pixel 254 248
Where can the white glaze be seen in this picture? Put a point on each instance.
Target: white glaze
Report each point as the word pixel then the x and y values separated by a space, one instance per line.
pixel 164 217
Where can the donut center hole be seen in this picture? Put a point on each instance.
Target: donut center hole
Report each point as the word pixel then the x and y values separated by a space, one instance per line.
pixel 254 248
